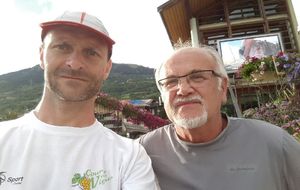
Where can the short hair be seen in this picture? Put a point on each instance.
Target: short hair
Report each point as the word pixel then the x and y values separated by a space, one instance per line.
pixel 187 45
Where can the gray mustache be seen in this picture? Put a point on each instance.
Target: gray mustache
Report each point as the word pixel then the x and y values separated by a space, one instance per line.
pixel 188 99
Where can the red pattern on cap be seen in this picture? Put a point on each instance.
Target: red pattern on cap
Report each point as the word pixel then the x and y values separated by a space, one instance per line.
pixel 82 17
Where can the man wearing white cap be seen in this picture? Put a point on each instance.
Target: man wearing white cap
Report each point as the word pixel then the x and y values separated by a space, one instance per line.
pixel 60 144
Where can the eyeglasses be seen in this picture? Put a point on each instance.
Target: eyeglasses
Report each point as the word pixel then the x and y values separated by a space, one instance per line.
pixel 195 78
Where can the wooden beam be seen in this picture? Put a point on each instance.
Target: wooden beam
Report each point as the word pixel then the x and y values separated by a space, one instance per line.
pixel 226 11
pixel 263 15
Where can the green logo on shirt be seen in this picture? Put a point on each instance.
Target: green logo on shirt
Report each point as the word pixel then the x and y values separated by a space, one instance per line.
pixel 90 179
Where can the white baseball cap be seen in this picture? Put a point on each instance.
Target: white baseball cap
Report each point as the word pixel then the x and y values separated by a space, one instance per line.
pixel 81 20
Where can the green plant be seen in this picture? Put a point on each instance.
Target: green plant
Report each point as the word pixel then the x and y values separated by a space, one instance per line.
pixel 285 114
pixel 285 64
pixel 289 63
pixel 254 64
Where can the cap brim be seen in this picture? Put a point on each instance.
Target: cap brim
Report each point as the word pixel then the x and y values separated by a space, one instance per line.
pixel 46 26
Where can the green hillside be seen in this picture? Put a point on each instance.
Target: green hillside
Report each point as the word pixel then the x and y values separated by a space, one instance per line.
pixel 21 91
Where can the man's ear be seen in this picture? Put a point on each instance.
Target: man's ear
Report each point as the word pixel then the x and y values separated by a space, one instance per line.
pixel 224 86
pixel 108 67
pixel 42 57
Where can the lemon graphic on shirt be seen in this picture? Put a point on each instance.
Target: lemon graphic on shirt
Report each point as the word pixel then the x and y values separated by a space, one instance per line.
pixel 83 182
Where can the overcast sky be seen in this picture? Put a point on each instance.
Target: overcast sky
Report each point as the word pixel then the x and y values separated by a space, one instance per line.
pixel 135 25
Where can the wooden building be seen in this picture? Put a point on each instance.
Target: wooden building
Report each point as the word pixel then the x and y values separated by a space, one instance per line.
pixel 207 21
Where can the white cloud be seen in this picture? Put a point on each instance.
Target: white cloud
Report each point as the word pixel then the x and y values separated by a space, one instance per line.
pixel 19 39
pixel 135 26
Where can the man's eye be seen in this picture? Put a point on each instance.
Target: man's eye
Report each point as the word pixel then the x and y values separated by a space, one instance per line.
pixel 171 82
pixel 64 47
pixel 91 52
pixel 197 77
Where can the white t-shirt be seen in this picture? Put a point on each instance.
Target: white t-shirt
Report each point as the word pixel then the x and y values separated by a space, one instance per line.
pixel 38 156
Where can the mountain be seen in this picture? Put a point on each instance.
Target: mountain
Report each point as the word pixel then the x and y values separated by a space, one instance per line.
pixel 128 81
pixel 21 91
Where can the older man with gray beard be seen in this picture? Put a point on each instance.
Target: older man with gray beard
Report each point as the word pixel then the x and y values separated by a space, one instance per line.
pixel 204 148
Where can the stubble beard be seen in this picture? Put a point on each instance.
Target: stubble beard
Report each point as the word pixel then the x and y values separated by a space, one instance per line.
pixel 90 91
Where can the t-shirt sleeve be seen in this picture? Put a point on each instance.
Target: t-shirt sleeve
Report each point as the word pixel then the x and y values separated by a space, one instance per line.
pixel 140 175
pixel 291 151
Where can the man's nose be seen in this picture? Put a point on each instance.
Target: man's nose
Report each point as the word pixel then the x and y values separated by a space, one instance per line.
pixel 184 87
pixel 75 60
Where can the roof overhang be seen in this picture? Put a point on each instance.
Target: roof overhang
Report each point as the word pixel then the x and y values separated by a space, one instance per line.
pixel 176 15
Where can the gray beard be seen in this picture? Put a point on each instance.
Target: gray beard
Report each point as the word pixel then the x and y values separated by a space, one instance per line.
pixel 190 123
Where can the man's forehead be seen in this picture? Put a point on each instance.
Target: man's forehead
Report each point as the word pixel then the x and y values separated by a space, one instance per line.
pixel 191 52
pixel 174 68
pixel 187 60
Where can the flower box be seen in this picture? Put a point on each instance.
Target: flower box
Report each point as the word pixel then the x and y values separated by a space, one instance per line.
pixel 264 76
pixel 271 67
